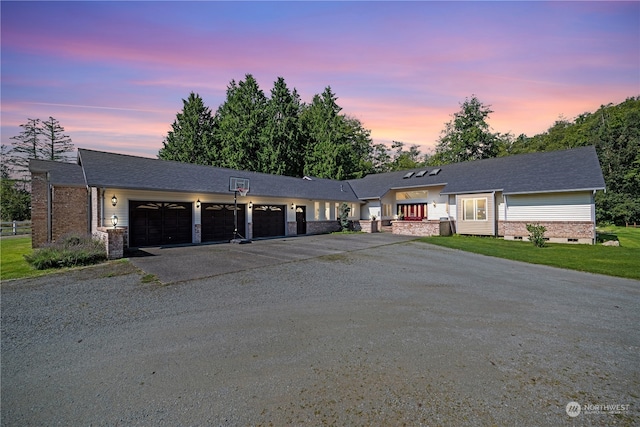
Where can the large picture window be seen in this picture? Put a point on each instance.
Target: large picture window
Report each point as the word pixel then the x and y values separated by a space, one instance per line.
pixel 475 209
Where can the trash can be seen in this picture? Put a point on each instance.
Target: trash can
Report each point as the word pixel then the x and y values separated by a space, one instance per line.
pixel 445 226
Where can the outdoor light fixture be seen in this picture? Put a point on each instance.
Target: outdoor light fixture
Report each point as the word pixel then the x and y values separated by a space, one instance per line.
pixel 293 205
pixel 114 200
pixel 198 204
pixel 434 203
pixel 114 220
pixel 250 205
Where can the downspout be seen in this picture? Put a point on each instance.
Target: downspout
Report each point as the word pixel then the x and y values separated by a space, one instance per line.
pixel 49 209
pixel 101 224
pixel 495 217
pixel 89 210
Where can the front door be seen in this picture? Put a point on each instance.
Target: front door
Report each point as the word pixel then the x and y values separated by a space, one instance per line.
pixel 301 219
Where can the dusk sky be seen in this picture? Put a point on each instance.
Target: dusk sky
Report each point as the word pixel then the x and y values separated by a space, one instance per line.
pixel 115 73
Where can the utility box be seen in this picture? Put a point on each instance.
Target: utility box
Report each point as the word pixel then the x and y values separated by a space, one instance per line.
pixel 445 226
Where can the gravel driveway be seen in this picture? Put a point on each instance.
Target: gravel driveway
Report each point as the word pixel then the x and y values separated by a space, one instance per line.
pixel 404 333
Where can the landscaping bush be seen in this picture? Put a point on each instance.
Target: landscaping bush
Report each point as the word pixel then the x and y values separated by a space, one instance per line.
pixel 344 217
pixel 70 251
pixel 536 235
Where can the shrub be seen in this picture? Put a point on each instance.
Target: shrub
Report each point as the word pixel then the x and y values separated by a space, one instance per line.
pixel 344 217
pixel 69 251
pixel 536 235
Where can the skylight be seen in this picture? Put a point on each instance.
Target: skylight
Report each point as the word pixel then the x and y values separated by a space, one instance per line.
pixel 408 175
pixel 421 174
pixel 435 172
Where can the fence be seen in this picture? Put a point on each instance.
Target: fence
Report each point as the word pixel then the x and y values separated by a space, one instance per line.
pixel 13 228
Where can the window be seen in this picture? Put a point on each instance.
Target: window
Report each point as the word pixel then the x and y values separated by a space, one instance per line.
pixel 475 209
pixel 412 195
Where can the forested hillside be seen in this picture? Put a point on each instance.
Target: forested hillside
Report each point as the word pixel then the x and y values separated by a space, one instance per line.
pixel 615 132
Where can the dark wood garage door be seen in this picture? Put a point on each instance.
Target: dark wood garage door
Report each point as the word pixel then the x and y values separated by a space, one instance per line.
pixel 159 223
pixel 268 220
pixel 218 224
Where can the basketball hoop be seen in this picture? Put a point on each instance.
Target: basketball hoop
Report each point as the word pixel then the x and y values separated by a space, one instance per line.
pixel 242 191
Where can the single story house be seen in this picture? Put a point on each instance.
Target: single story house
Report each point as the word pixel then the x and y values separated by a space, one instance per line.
pixel 157 202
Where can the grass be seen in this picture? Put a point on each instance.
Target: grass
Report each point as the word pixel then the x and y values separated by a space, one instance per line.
pixel 622 261
pixel 12 262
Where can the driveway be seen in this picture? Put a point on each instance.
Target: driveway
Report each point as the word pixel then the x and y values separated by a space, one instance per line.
pixel 176 264
pixel 393 333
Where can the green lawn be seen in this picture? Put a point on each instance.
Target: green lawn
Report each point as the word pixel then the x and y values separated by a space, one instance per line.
pixel 622 261
pixel 12 262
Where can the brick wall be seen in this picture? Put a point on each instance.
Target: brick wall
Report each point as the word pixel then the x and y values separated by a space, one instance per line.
pixel 321 227
pixel 39 189
pixel 416 228
pixel 559 231
pixel 69 211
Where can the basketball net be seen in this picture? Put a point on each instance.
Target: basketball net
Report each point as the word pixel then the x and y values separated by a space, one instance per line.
pixel 242 191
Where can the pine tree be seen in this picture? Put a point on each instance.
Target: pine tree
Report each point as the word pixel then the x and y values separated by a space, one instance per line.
pixel 191 138
pixel 281 150
pixel 56 144
pixel 28 145
pixel 240 123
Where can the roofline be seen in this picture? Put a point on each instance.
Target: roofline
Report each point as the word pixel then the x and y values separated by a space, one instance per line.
pixel 114 187
pixel 569 190
pixel 488 190
pixel 419 186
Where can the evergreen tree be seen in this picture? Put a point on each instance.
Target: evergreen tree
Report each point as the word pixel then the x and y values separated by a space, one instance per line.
pixel 240 125
pixel 191 138
pixel 468 136
pixel 281 148
pixel 28 145
pixel 56 143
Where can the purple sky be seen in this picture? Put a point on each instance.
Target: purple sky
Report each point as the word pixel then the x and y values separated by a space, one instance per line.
pixel 115 73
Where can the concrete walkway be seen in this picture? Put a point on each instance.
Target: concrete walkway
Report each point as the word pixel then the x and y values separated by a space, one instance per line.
pixel 183 263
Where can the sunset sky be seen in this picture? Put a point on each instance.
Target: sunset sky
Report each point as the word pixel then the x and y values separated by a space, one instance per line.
pixel 115 73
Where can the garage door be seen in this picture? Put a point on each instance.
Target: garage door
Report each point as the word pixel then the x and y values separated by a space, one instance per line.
pixel 159 223
pixel 268 220
pixel 218 224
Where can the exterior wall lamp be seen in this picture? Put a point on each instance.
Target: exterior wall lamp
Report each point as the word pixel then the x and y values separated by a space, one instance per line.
pixel 114 220
pixel 434 203
pixel 114 200
pixel 198 204
pixel 293 205
pixel 250 205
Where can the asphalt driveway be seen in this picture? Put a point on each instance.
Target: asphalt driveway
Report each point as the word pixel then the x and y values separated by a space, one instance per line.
pixel 366 332
pixel 182 263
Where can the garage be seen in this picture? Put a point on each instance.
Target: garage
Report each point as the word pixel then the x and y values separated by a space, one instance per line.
pixel 268 220
pixel 159 223
pixel 218 221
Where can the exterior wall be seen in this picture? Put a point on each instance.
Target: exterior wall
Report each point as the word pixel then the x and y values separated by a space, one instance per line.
pixel 416 228
pixel 39 209
pixel 568 206
pixel 69 211
pixel 56 210
pixel 557 231
pixel 321 227
pixel 480 227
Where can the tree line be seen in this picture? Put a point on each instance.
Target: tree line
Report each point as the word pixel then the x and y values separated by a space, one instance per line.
pixel 39 139
pixel 279 134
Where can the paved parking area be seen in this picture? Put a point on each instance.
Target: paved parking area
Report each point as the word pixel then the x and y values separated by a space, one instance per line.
pixel 328 330
pixel 182 263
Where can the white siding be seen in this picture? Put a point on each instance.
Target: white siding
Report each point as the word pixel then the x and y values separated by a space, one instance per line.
pixel 550 207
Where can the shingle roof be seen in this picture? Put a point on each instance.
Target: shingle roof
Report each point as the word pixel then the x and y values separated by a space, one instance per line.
pixel 59 173
pixel 553 171
pixel 123 171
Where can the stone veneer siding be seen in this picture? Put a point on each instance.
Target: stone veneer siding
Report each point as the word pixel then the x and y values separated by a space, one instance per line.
pixel 69 210
pixel 115 240
pixel 416 228
pixel 558 231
